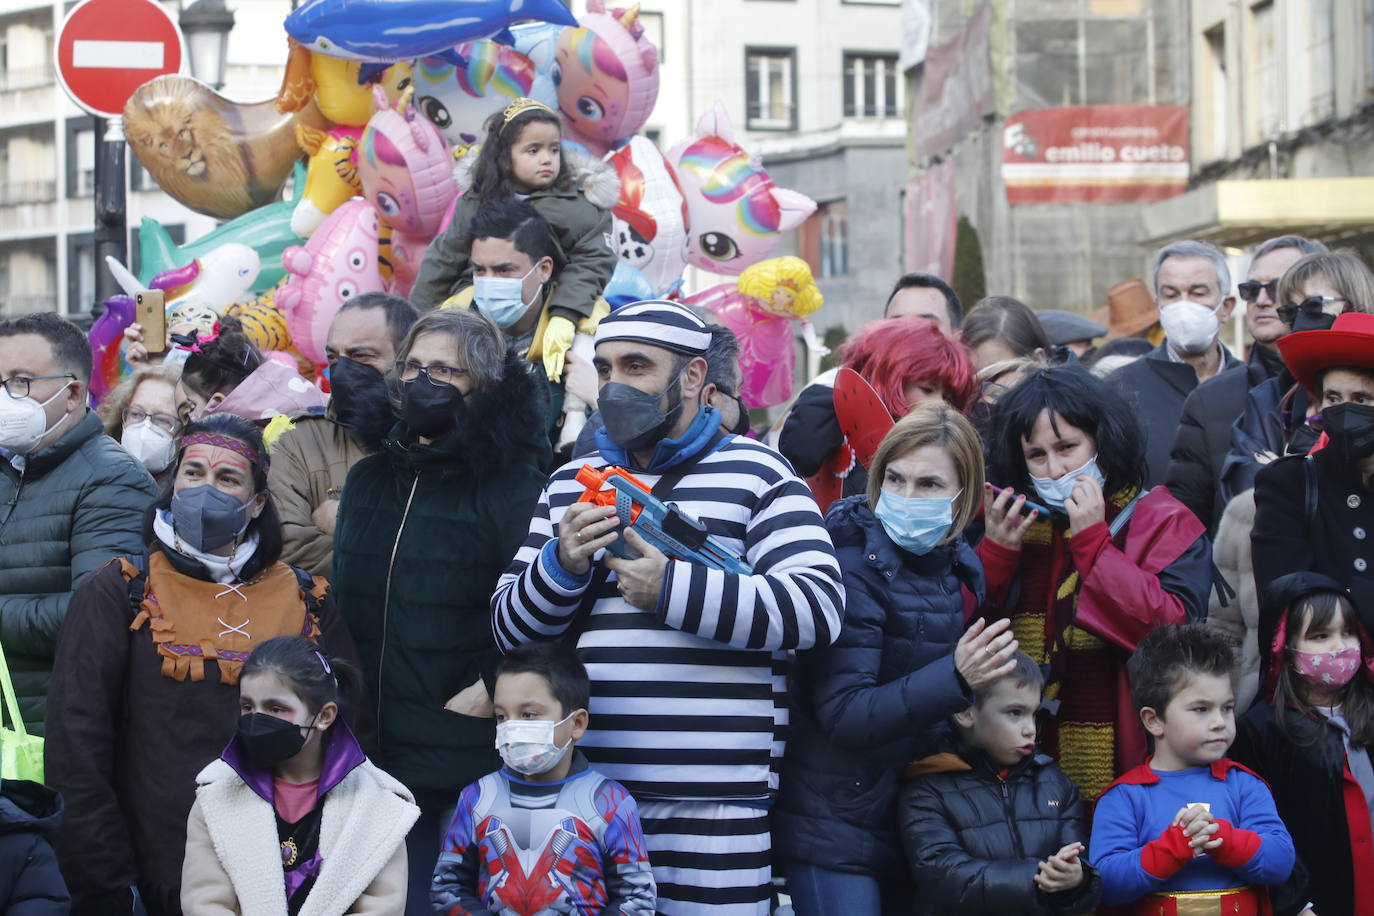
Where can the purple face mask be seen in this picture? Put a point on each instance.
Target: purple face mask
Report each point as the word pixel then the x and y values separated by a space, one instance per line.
pixel 1327 670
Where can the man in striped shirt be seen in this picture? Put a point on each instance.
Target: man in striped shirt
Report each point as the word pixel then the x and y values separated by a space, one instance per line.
pixel 688 663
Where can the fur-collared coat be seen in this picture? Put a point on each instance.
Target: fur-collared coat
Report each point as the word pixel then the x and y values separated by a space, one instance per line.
pixel 1240 615
pixel 423 534
pixel 233 855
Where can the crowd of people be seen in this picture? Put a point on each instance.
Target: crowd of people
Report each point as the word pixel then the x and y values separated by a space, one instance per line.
pixel 1090 625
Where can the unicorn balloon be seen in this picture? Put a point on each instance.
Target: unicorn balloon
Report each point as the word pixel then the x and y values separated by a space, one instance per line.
pixel 650 218
pixel 607 77
pixel 407 174
pixel 339 262
pixel 735 213
pixel 459 97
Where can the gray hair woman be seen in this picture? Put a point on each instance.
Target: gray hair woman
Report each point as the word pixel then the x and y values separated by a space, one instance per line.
pixel 426 527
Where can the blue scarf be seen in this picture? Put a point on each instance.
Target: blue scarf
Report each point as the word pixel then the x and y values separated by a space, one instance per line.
pixel 668 452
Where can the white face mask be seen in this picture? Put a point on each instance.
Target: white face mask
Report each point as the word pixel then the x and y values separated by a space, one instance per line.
pixel 502 299
pixel 1054 490
pixel 1190 327
pixel 23 422
pixel 150 444
pixel 527 745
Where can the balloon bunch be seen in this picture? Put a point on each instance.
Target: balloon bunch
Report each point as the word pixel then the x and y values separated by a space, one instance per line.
pixel 381 102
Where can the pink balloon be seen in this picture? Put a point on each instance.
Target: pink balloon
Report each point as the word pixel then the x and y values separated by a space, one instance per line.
pixel 338 262
pixel 609 77
pixel 767 349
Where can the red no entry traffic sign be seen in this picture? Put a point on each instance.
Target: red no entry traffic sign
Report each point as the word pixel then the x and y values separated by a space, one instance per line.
pixel 108 48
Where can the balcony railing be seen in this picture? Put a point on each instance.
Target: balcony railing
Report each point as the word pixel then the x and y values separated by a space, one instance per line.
pixel 26 78
pixel 27 192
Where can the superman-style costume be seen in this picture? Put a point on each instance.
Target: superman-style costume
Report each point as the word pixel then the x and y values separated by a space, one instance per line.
pixel 1140 852
pixel 528 849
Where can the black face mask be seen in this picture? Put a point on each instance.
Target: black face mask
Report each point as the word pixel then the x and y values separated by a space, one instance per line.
pixel 632 417
pixel 358 393
pixel 1351 429
pixel 742 426
pixel 1309 321
pixel 268 740
pixel 430 410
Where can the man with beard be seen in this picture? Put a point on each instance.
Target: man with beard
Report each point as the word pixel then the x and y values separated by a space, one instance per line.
pixel 311 460
pixel 688 662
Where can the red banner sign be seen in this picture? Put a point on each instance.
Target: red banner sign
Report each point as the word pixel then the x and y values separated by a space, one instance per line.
pixel 931 222
pixel 1095 154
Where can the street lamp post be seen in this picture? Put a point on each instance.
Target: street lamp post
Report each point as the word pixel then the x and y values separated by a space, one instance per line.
pixel 206 25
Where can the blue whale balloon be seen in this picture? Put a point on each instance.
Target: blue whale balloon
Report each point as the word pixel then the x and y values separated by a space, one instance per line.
pixel 392 30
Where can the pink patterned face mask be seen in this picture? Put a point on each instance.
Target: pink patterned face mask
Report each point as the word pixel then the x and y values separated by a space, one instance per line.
pixel 1327 670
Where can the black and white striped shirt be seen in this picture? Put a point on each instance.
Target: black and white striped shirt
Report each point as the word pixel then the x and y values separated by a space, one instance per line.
pixel 689 701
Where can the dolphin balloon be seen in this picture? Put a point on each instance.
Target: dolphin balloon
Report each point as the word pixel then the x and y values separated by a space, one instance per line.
pixel 378 30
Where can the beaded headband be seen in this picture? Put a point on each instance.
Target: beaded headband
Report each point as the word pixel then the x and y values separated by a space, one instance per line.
pixel 518 107
pixel 222 441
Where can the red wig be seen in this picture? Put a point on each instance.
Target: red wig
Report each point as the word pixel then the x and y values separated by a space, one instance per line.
pixel 895 352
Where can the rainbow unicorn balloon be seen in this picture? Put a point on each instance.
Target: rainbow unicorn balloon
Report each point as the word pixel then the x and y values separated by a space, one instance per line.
pixel 459 97
pixel 735 213
pixel 406 172
pixel 608 79
pixel 339 262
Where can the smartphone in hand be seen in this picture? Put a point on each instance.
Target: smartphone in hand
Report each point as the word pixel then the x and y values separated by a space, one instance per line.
pixel 150 311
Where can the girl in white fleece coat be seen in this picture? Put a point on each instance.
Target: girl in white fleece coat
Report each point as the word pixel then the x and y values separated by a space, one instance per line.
pixel 293 820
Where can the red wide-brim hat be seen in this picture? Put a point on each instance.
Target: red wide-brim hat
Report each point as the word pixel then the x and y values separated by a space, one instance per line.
pixel 1348 342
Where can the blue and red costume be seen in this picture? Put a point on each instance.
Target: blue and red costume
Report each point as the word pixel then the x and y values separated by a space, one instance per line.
pixel 527 849
pixel 1140 851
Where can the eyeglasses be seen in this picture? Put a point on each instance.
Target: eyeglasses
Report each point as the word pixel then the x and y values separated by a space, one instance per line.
pixel 17 386
pixel 437 374
pixel 1312 305
pixel 163 421
pixel 1250 289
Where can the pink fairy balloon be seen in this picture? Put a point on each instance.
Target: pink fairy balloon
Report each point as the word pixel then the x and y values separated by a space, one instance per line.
pixel 338 262
pixel 608 77
pixel 406 171
pixel 767 350
pixel 735 213
pixel 650 218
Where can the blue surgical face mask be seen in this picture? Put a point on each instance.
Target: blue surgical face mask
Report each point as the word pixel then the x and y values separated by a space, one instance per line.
pixel 502 299
pixel 1054 490
pixel 916 523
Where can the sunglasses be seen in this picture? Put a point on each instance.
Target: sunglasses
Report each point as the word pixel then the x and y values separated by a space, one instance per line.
pixel 1250 289
pixel 1312 305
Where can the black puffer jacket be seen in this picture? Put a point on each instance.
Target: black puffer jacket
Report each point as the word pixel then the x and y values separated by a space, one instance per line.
pixel 811 434
pixel 424 532
pixel 1273 421
pixel 30 883
pixel 974 840
pixel 862 707
pixel 1204 434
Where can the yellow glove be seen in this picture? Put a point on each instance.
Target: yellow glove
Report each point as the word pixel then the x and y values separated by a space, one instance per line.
pixel 558 340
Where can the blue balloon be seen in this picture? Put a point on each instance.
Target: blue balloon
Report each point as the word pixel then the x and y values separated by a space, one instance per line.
pixel 393 30
pixel 628 284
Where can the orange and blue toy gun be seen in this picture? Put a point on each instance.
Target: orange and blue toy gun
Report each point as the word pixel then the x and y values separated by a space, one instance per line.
pixel 663 525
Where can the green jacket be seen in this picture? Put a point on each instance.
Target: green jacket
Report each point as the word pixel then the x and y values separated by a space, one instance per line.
pixel 78 504
pixel 423 533
pixel 583 230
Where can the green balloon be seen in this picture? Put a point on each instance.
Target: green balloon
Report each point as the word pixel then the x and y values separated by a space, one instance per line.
pixel 267 230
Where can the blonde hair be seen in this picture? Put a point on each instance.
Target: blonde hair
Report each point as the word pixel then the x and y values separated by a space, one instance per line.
pixel 763 279
pixel 993 371
pixel 946 428
pixel 111 410
pixel 1343 269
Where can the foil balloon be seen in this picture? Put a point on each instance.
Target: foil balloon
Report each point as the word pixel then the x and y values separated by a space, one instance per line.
pixel 216 156
pixel 377 30
pixel 106 335
pixel 607 77
pixel 650 218
pixel 406 171
pixel 344 96
pixel 266 230
pixel 627 285
pixel 339 262
pixel 735 213
pixel 217 279
pixel 539 42
pixel 771 295
pixel 459 92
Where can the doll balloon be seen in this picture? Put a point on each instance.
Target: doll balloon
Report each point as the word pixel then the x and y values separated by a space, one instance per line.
pixel 407 174
pixel 339 262
pixel 735 212
pixel 607 77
